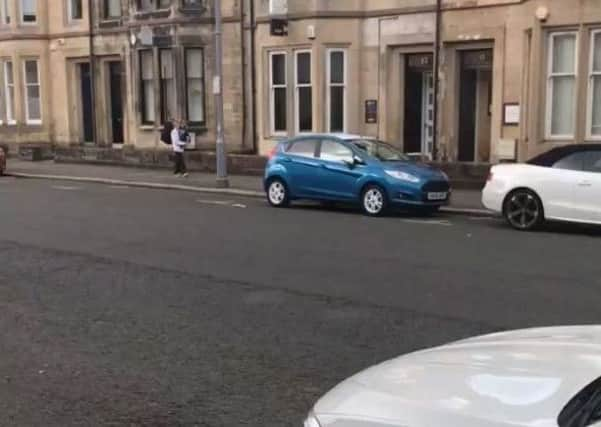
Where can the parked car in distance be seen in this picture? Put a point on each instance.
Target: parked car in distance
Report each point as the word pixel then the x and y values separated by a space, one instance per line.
pixel 2 161
pixel 535 377
pixel 562 184
pixel 351 168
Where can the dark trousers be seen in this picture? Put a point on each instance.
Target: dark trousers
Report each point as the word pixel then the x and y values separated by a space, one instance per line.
pixel 180 163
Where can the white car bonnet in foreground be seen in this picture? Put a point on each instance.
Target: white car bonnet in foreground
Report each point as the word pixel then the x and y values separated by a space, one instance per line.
pixel 520 378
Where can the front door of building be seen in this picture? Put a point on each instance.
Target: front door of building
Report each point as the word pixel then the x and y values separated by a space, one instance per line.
pixel 116 101
pixel 87 109
pixel 475 96
pixel 418 128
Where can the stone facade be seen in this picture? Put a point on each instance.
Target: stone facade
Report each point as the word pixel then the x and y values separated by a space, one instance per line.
pixel 293 66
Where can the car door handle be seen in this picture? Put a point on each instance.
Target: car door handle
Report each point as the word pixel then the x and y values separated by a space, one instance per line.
pixel 584 184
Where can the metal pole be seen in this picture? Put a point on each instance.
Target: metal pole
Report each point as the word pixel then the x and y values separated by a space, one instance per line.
pixel 92 61
pixel 435 148
pixel 222 179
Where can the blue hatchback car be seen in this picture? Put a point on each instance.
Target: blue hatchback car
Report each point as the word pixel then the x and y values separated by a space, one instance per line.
pixel 349 168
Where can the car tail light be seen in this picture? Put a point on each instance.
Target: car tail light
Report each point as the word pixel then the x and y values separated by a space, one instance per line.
pixel 272 152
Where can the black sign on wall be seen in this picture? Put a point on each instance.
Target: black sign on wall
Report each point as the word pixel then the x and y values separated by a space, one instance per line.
pixel 371 111
pixel 279 27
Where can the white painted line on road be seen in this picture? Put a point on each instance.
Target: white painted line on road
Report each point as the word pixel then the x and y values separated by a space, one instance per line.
pixel 443 222
pixel 215 202
pixel 65 188
pixel 239 205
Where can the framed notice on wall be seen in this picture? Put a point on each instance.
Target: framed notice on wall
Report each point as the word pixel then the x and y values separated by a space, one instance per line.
pixel 371 111
pixel 511 113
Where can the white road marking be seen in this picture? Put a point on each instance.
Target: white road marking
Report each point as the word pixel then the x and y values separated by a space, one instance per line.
pixel 239 205
pixel 65 188
pixel 442 222
pixel 215 202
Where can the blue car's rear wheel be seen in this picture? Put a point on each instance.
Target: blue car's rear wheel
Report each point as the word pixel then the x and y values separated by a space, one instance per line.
pixel 373 200
pixel 277 193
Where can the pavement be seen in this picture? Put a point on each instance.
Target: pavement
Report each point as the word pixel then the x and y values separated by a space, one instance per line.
pixel 128 306
pixel 463 201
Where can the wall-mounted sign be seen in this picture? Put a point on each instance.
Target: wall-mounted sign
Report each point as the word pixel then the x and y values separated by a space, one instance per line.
pixel 421 61
pixel 511 114
pixel 371 111
pixel 279 27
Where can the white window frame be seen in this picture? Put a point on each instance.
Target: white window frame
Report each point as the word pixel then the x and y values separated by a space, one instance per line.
pixel 272 88
pixel 329 85
pixel 297 87
pixel 550 76
pixel 21 14
pixel 10 119
pixel 70 17
pixel 591 78
pixel 28 120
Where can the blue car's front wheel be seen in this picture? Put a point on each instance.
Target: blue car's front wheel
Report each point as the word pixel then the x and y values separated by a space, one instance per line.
pixel 373 200
pixel 277 193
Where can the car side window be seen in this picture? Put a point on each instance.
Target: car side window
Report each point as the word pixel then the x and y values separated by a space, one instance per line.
pixel 333 151
pixel 574 162
pixel 592 162
pixel 304 148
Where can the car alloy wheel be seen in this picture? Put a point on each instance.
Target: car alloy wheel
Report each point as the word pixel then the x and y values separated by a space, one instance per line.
pixel 277 194
pixel 374 201
pixel 523 210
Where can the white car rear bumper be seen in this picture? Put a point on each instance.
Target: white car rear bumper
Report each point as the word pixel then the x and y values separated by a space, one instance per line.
pixel 493 196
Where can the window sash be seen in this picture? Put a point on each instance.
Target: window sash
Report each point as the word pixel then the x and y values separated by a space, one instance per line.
pixel 195 86
pixel 112 9
pixel 593 125
pixel 75 10
pixel 147 93
pixel 303 89
pixel 553 78
pixel 9 92
pixel 28 11
pixel 330 85
pixel 31 87
pixel 275 92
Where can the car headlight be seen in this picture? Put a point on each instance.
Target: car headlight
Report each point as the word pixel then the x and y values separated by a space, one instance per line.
pixel 403 176
pixel 311 421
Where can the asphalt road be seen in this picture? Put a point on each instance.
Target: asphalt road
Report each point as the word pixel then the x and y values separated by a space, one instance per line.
pixel 123 306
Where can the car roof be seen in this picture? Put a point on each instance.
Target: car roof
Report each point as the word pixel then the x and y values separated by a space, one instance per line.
pixel 549 158
pixel 339 136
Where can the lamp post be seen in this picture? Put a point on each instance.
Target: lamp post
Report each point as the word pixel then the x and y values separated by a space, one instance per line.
pixel 222 179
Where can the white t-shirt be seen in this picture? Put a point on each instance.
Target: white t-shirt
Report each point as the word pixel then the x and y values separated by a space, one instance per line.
pixel 178 146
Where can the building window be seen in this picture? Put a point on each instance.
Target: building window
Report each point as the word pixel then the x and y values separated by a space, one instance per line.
pixel 561 86
pixel 33 105
pixel 29 11
pixel 148 5
pixel 168 106
pixel 195 85
pixel 594 127
pixel 336 93
pixel 9 92
pixel 303 92
pixel 278 88
pixel 112 9
pixel 192 4
pixel 4 12
pixel 147 99
pixel 278 7
pixel 75 10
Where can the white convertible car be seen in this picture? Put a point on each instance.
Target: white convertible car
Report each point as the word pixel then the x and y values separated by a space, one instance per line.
pixel 545 377
pixel 562 184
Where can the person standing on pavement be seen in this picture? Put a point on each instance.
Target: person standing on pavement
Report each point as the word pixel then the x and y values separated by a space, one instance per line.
pixel 179 140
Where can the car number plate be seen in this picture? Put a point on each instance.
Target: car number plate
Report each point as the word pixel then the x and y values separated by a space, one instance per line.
pixel 437 196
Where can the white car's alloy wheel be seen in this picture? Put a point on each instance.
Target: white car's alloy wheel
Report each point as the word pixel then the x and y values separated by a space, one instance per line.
pixel 277 193
pixel 523 210
pixel 374 201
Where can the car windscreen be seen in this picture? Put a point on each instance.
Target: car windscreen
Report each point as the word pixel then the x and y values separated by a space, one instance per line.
pixel 380 150
pixel 584 409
